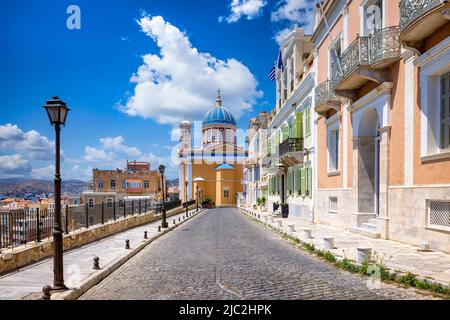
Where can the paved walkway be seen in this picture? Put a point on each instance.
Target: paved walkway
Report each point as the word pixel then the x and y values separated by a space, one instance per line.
pixel 221 254
pixel 395 255
pixel 78 263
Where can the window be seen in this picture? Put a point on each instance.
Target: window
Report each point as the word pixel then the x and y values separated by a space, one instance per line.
pixel 146 184
pixel 445 112
pixel 334 53
pixel 100 184
pixel 307 126
pixel 226 193
pixel 109 202
pixel 133 185
pixel 113 184
pixel 372 17
pixel 439 214
pixel 333 150
pixel 90 202
pixel 333 204
pixel 75 202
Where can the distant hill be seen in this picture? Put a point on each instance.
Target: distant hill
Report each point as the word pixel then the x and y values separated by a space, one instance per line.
pixel 19 187
pixel 172 183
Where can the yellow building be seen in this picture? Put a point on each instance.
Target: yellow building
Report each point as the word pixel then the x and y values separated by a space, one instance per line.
pixel 213 170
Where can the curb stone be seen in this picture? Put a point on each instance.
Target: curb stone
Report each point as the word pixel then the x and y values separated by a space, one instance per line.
pixel 97 277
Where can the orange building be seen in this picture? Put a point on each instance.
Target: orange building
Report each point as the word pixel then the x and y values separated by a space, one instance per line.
pixel 382 100
pixel 214 170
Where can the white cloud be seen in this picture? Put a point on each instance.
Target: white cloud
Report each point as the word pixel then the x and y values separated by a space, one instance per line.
pixel 181 79
pixel 279 37
pixel 299 13
pixel 96 155
pixel 116 144
pixel 45 173
pixel 31 144
pixel 13 166
pixel 244 8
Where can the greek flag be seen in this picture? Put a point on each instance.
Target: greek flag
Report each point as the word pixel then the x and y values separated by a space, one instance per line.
pixel 280 65
pixel 272 74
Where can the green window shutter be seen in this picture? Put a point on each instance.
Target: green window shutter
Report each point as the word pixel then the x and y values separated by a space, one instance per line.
pixel 299 125
pixel 289 183
pixel 294 177
pixel 291 174
pixel 303 181
pixel 277 137
pixel 297 181
pixel 270 185
pixel 307 122
pixel 285 132
pixel 310 181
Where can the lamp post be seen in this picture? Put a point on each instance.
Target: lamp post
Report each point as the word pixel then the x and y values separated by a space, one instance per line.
pixel 197 197
pixel 186 183
pixel 57 113
pixel 164 223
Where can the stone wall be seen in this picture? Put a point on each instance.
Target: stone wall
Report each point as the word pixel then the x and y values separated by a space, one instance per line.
pixel 22 256
pixel 407 216
pixel 343 217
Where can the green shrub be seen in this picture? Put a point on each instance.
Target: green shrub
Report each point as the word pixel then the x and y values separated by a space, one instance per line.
pixel 409 279
pixel 309 246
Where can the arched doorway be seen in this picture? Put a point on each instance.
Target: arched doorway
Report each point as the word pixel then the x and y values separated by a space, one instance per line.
pixel 368 162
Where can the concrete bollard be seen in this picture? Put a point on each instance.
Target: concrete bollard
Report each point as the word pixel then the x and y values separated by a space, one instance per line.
pixel 127 244
pixel 159 228
pixel 291 227
pixel 46 292
pixel 179 219
pixel 96 263
pixel 145 235
pixel 259 217
pixel 328 242
pixel 306 233
pixel 364 255
pixel 174 221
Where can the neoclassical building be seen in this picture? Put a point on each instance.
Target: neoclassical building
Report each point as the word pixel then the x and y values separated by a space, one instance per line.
pixel 215 168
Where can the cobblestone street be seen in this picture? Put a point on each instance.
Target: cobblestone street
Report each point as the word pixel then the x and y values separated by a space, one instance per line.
pixel 221 254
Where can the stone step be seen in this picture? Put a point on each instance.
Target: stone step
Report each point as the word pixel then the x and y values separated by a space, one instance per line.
pixel 275 214
pixel 365 232
pixel 373 221
pixel 369 227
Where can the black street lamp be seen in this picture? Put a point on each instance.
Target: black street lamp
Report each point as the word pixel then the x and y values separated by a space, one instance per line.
pixel 186 183
pixel 57 113
pixel 164 223
pixel 197 197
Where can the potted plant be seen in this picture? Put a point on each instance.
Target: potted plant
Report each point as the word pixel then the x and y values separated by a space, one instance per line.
pixel 276 205
pixel 284 210
pixel 207 202
pixel 263 203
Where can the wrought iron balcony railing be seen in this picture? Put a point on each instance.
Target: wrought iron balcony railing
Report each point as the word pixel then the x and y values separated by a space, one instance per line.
pixel 324 93
pixel 290 145
pixel 410 10
pixel 368 51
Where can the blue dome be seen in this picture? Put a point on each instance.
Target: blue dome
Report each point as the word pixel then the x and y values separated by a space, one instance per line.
pixel 218 115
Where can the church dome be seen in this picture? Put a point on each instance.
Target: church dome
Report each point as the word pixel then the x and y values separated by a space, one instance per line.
pixel 218 115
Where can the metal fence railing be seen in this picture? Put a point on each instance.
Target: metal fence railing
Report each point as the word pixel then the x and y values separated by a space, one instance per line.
pixel 21 226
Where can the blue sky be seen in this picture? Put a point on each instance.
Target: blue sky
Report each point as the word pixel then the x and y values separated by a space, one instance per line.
pixel 192 47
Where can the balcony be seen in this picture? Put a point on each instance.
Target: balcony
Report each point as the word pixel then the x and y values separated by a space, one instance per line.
pixel 419 19
pixel 291 151
pixel 267 160
pixel 366 59
pixel 249 163
pixel 325 99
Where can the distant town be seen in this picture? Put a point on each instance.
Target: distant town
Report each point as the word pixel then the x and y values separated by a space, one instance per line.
pixel 106 185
